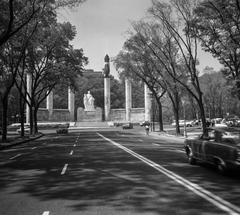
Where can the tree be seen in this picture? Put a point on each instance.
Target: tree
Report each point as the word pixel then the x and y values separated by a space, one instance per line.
pixel 16 14
pixel 175 18
pixel 51 60
pixel 11 56
pixel 19 21
pixel 215 91
pixel 216 26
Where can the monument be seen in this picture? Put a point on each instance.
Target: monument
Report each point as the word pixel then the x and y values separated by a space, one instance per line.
pixel 88 101
pixel 89 113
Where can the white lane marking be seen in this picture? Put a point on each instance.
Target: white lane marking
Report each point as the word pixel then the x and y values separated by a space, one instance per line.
pixel 44 143
pixel 74 145
pixel 46 213
pixel 155 144
pixel 64 169
pixel 76 140
pixel 140 140
pixel 71 152
pixel 34 148
pixel 216 200
pixel 14 156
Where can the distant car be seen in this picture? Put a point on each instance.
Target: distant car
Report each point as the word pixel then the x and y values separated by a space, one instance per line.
pixel 62 130
pixel 26 129
pixel 181 123
pixel 217 146
pixel 144 123
pixel 128 125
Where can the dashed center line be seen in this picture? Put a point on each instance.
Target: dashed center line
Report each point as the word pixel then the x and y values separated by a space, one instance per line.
pixel 155 144
pixel 15 156
pixel 34 148
pixel 140 140
pixel 74 145
pixel 71 152
pixel 46 213
pixel 64 169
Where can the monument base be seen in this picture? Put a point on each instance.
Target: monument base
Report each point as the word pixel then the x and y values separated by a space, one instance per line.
pixel 89 116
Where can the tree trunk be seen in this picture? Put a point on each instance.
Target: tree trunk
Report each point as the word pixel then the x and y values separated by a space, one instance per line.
pixel 160 117
pixel 35 121
pixel 22 115
pixel 4 118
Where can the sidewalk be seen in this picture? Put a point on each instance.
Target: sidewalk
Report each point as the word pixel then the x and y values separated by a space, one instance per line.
pixel 17 140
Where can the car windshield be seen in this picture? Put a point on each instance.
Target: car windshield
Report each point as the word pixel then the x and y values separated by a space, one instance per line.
pixel 226 135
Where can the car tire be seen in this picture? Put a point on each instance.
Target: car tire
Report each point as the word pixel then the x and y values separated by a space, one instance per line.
pixel 191 159
pixel 222 169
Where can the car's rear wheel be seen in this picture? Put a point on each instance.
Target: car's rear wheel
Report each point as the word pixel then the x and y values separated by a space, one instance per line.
pixel 221 167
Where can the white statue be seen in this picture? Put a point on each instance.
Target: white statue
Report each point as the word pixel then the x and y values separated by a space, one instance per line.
pixel 88 101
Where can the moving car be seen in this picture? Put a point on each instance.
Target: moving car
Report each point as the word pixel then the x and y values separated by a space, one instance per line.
pixel 144 123
pixel 26 129
pixel 217 146
pixel 62 130
pixel 127 125
pixel 181 123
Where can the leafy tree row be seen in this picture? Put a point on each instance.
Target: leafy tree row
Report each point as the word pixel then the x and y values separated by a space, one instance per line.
pixel 34 44
pixel 162 52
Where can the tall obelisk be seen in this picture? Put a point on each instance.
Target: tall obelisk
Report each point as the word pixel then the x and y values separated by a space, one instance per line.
pixel 106 88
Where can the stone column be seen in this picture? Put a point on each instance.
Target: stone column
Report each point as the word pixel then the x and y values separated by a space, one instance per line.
pixel 29 92
pixel 128 99
pixel 107 98
pixel 71 109
pixel 50 106
pixel 148 103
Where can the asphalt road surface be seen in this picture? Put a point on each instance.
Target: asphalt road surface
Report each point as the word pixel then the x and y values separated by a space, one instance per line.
pixel 111 171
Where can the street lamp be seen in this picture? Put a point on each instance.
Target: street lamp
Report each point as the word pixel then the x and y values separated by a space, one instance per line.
pixel 184 116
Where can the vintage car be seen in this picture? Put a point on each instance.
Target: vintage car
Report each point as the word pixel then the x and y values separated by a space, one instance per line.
pixel 144 123
pixel 128 125
pixel 189 123
pixel 62 130
pixel 26 129
pixel 218 146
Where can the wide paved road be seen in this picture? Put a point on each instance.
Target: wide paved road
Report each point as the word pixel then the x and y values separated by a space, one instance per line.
pixel 110 172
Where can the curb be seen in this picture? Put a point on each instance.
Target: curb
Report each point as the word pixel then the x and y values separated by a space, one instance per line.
pixel 20 142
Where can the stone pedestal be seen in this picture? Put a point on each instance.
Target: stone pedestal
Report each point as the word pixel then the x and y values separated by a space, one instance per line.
pixel 148 103
pixel 107 98
pixel 128 98
pixel 89 116
pixel 71 99
pixel 50 106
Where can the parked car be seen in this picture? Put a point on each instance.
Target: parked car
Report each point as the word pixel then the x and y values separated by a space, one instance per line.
pixel 128 125
pixel 181 123
pixel 62 130
pixel 26 129
pixel 217 146
pixel 144 123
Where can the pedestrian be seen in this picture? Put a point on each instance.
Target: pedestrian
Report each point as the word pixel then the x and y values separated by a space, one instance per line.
pixel 147 129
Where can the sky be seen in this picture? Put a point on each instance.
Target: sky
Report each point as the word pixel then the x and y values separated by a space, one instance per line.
pixel 101 27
